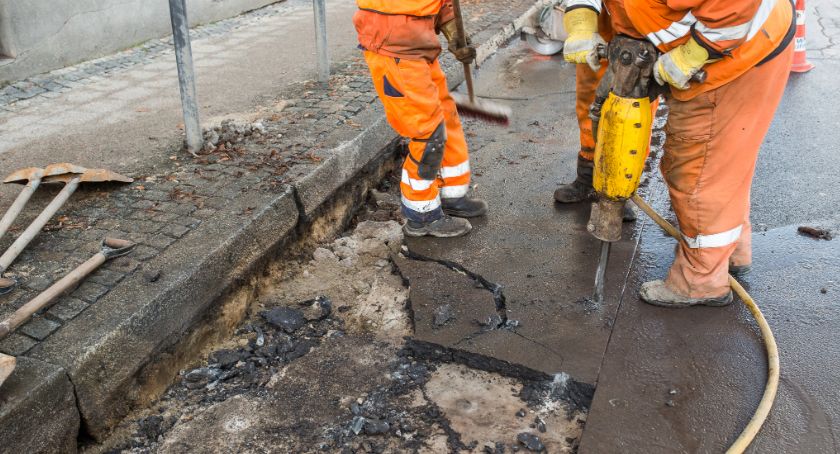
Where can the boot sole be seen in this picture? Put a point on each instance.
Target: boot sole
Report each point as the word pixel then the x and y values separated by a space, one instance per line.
pixel 464 214
pixel 417 233
pixel 714 302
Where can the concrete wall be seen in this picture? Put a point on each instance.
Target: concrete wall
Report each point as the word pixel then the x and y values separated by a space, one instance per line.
pixel 43 35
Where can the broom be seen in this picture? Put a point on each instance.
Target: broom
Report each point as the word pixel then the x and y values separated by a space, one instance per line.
pixel 468 106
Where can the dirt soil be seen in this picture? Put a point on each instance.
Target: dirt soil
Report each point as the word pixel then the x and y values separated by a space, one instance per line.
pixel 320 365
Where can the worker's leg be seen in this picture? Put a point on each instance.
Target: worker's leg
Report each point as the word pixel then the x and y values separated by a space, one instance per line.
pixel 454 180
pixel 710 153
pixel 586 81
pixel 412 107
pixel 741 258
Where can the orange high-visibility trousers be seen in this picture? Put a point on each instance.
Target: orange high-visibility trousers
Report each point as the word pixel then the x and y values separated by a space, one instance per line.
pixel 710 154
pixel 417 101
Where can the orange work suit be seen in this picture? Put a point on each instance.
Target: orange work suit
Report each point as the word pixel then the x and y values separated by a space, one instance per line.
pixel 715 128
pixel 401 49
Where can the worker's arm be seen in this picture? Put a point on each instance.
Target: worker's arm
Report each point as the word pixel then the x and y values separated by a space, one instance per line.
pixel 581 23
pixel 721 25
pixel 448 25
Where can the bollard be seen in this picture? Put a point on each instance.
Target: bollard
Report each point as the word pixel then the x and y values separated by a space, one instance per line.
pixel 186 74
pixel 800 60
pixel 320 9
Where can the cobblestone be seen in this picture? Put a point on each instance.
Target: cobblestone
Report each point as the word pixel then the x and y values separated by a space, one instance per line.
pixel 68 308
pixel 90 292
pixel 39 328
pixel 17 344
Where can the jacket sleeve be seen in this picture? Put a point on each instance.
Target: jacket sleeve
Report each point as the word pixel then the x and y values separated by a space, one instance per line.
pixel 723 25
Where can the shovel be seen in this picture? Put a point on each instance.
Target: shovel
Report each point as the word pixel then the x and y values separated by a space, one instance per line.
pixel 32 178
pixel 69 174
pixel 111 248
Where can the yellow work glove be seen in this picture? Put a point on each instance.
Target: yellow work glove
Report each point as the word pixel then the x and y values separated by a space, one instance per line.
pixel 464 53
pixel 582 27
pixel 678 65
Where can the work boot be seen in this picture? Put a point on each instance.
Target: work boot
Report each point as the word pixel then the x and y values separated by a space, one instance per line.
pixel 657 293
pixel 579 190
pixel 464 207
pixel 445 227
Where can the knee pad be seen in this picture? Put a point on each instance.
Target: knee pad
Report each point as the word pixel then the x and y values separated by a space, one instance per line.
pixel 429 164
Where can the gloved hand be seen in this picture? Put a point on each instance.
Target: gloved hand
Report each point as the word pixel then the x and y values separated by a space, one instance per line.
pixel 464 53
pixel 582 26
pixel 678 65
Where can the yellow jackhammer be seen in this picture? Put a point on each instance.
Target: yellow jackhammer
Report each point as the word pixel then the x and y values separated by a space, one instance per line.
pixel 621 123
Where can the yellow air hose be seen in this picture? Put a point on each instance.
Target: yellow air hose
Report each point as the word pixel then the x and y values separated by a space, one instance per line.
pixel 760 415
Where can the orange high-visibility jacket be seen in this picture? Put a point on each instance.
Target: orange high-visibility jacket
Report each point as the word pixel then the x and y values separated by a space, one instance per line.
pixel 739 34
pixel 402 28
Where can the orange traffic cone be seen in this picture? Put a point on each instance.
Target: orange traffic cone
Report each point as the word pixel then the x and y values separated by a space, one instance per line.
pixel 800 60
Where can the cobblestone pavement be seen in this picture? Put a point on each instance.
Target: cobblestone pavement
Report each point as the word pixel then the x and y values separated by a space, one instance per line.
pixel 256 156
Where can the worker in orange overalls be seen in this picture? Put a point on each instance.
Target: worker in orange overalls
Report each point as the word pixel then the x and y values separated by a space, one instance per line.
pixel 401 47
pixel 714 128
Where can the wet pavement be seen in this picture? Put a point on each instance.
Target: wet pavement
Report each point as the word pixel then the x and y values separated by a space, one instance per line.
pixel 667 380
pixel 541 256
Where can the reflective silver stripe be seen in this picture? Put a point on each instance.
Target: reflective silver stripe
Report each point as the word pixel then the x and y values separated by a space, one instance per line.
pixel 761 16
pixel 747 29
pixel 417 185
pixel 421 206
pixel 717 240
pixel 590 3
pixel 454 192
pixel 455 171
pixel 674 31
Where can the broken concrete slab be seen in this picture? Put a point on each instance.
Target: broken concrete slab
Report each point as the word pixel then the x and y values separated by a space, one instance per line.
pixel 448 307
pixel 105 348
pixel 38 395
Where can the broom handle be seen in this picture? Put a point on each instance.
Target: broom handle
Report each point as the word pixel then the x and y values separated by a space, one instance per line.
pixel 459 21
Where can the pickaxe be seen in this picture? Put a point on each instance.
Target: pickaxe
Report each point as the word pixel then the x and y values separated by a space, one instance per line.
pixel 69 174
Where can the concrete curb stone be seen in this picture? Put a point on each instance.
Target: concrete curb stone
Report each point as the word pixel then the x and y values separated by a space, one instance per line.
pixel 37 409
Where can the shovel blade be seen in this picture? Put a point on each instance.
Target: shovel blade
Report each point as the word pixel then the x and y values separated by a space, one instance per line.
pixel 24 176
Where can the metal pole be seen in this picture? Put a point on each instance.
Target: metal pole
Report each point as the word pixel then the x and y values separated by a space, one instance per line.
pixel 186 73
pixel 320 8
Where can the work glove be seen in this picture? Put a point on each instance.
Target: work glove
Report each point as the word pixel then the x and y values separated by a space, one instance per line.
pixel 582 27
pixel 464 53
pixel 677 66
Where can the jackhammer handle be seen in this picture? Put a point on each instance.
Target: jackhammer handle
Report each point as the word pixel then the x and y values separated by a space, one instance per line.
pixel 699 76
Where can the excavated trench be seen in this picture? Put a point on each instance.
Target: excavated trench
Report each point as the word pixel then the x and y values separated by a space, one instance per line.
pixel 327 358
